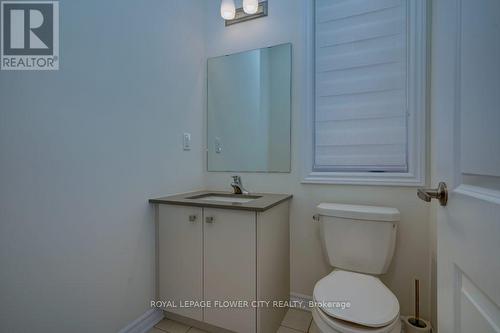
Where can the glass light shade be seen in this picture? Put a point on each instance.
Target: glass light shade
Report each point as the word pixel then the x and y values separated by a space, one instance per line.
pixel 227 9
pixel 250 6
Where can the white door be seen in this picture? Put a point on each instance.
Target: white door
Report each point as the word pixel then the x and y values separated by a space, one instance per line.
pixel 180 255
pixel 466 155
pixel 230 268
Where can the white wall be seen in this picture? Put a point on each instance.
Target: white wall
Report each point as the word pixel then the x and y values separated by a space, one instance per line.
pixel 286 23
pixel 82 150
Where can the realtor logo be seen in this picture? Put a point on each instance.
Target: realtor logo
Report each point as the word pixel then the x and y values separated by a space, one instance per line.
pixel 29 35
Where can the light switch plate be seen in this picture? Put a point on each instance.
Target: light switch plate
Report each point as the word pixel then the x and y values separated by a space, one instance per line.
pixel 186 141
pixel 218 145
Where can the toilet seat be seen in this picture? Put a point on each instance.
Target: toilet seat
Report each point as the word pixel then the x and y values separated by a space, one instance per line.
pixel 372 304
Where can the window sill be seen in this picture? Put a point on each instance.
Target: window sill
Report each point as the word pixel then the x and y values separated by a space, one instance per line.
pixel 364 178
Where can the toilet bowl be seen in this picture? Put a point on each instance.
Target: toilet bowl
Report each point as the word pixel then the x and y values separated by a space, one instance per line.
pixel 359 242
pixel 328 324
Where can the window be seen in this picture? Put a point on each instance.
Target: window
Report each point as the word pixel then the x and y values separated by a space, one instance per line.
pixel 368 59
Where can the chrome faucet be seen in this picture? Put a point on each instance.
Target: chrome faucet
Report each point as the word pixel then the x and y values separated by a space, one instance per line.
pixel 238 186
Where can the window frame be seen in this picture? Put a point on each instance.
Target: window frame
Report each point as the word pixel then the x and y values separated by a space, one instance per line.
pixel 417 107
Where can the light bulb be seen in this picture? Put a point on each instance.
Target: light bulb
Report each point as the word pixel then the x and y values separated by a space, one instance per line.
pixel 227 9
pixel 250 6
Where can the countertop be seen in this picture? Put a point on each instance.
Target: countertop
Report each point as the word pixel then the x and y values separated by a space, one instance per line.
pixel 266 200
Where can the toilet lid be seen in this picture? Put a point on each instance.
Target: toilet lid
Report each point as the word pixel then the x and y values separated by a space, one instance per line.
pixel 357 298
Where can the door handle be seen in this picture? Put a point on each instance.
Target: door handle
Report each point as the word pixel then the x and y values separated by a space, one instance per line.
pixel 192 218
pixel 210 219
pixel 440 193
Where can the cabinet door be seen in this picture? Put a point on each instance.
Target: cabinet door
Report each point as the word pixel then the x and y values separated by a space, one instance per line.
pixel 180 253
pixel 230 267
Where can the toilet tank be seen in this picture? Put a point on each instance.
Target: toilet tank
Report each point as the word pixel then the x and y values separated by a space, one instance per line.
pixel 358 238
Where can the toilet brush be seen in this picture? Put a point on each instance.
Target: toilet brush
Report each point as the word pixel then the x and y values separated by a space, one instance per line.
pixel 415 323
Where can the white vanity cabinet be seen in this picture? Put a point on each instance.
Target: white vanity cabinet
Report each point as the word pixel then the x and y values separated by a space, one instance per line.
pixel 224 254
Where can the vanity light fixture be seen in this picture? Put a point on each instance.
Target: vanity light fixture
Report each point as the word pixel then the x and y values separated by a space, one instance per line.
pixel 252 9
pixel 250 6
pixel 227 9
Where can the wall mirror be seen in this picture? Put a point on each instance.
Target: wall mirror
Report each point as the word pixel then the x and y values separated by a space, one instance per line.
pixel 249 111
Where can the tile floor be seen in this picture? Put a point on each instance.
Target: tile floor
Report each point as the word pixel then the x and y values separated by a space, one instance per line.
pixel 295 321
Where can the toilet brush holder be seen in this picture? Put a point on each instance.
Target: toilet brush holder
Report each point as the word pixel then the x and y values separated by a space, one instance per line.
pixel 413 325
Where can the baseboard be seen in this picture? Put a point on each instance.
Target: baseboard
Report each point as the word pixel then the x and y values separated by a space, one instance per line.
pixel 301 301
pixel 145 322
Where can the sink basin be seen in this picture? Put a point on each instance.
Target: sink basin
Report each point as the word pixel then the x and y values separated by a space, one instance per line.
pixel 227 198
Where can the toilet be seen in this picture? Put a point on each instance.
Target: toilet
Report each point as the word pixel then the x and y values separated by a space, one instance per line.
pixel 359 241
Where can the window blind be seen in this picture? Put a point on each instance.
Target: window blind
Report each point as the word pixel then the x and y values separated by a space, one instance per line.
pixel 360 86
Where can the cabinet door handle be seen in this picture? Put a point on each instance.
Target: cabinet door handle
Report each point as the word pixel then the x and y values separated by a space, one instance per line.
pixel 192 218
pixel 209 219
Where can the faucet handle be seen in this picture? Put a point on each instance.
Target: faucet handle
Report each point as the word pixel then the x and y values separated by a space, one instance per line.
pixel 236 179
